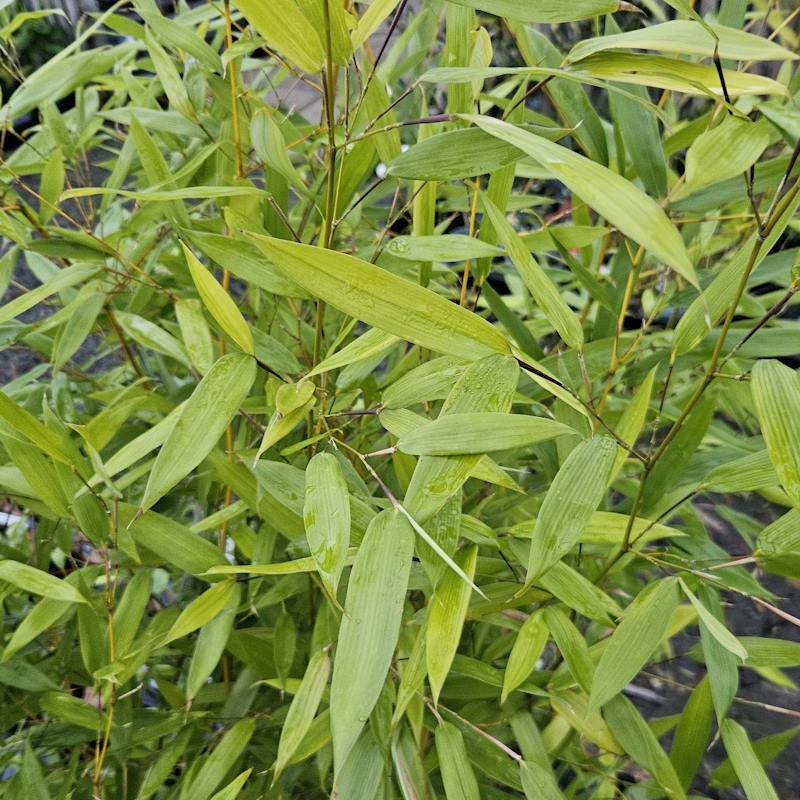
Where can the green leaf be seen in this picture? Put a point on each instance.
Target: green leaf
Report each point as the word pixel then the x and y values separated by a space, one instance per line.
pixel 73 710
pixel 692 732
pixel 33 580
pixel 302 709
pixel 776 397
pixel 635 735
pixel 675 75
pixel 207 413
pixel 210 644
pixel 635 639
pixel 47 440
pixel 445 247
pixel 619 201
pixel 454 155
pixel 742 140
pixel 384 300
pixel 538 782
pixel 326 516
pixel 370 627
pixel 763 652
pixel 480 432
pixel 486 385
pixel 579 593
pixel 286 29
pixel 543 290
pixel 169 77
pixel 219 303
pixel 233 789
pixel 528 646
pixel 458 777
pixel 745 762
pixel 446 614
pixel 195 333
pixel 687 38
pixel 152 336
pixel 172 542
pixel 573 496
pixel 202 610
pixel 544 10
pixel 714 626
pixel 216 766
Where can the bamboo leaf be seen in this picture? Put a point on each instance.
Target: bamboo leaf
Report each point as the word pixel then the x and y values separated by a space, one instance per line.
pixel 635 639
pixel 454 155
pixel 302 709
pixel 217 765
pixel 454 764
pixel 528 646
pixel 748 768
pixel 370 627
pixel 538 782
pixel 446 614
pixel 219 303
pixel 445 247
pixel 202 610
pixel 675 75
pixel 692 732
pixel 286 29
pixel 687 38
pixel 714 626
pixel 480 432
pixel 33 580
pixel 205 416
pixel 544 10
pixel 635 735
pixel 742 140
pixel 574 494
pixel 486 385
pixel 326 516
pixel 384 300
pixel 210 644
pixel 776 397
pixel 619 201
pixel 542 289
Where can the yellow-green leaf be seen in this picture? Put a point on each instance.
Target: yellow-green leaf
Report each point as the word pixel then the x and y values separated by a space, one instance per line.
pixel 549 11
pixel 776 397
pixel 528 647
pixel 33 580
pixel 749 770
pixel 635 639
pixel 326 516
pixel 480 432
pixel 573 496
pixel 286 29
pixel 384 300
pixel 203 420
pixel 618 200
pixel 202 610
pixel 219 303
pixel 446 614
pixel 370 627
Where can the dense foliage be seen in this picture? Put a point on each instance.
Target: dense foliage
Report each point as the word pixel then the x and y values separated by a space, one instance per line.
pixel 376 376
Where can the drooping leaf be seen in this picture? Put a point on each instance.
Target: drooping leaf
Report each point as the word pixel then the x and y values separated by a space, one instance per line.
pixel 446 614
pixel 219 303
pixel 637 738
pixel 303 708
pixel 286 29
pixel 749 769
pixel 370 627
pixel 776 396
pixel 326 516
pixel 620 202
pixel 454 764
